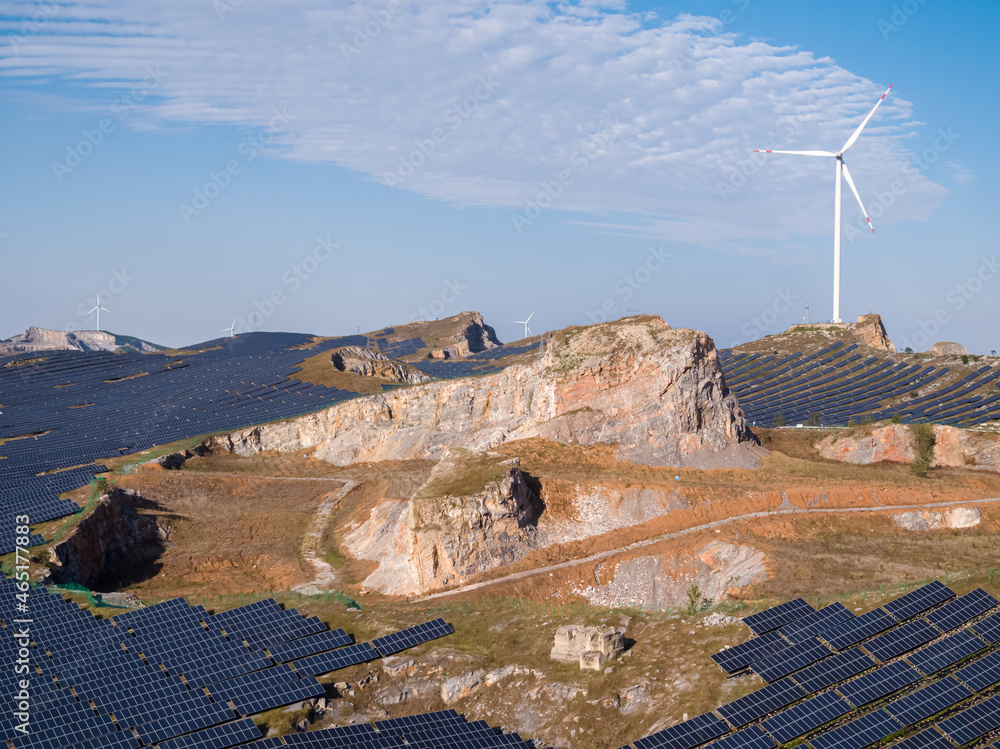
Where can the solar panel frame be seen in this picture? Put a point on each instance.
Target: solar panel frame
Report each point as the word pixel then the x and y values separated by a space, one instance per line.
pixel 919 600
pixel 926 739
pixel 757 704
pixel 859 628
pixel 789 660
pixel 859 733
pixel 946 652
pixel 927 701
pixel 973 723
pixel 778 616
pixel 901 639
pixel 807 716
pixel 685 735
pixel 981 674
pixel 834 669
pixel 963 609
pixel 879 683
pixel 989 628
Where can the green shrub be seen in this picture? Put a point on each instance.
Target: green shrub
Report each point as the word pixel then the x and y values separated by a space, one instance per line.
pixel 779 420
pixel 924 435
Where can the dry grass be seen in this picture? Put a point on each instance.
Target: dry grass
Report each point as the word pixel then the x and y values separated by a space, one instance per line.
pixel 319 370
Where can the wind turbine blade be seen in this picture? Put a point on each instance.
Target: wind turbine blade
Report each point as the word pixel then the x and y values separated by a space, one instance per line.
pixel 854 137
pixel 800 153
pixel 850 183
pixel 530 316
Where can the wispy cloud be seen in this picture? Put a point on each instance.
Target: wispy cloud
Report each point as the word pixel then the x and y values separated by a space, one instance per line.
pixel 691 101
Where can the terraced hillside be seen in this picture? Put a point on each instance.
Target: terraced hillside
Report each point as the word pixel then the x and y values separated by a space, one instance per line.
pixel 848 383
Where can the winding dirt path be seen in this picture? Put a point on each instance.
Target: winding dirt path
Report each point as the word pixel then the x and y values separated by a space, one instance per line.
pixel 783 511
pixel 326 576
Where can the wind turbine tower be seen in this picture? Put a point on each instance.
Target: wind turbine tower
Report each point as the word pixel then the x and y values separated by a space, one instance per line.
pixel 98 309
pixel 527 330
pixel 842 173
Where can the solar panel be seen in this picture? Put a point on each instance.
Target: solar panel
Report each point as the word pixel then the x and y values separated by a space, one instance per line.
pixel 756 648
pixel 859 628
pixel 982 674
pixel 833 669
pixel 817 622
pixel 351 655
pixel 685 735
pixel 790 660
pixel 901 639
pixel 878 683
pixel 989 628
pixel 777 616
pixel 930 700
pixel 758 704
pixel 919 600
pixel 806 716
pixel 859 733
pixel 946 651
pixel 749 738
pixel 219 737
pixel 926 739
pixel 289 651
pixel 973 723
pixel 412 636
pixel 962 609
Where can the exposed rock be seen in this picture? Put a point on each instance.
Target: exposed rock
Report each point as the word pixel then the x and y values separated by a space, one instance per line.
pixel 368 363
pixel 474 513
pixel 591 647
pixel 894 444
pixel 397 666
pixel 948 348
pixel 473 336
pixel 718 619
pixel 657 393
pixel 959 517
pixel 41 339
pixel 660 582
pixel 112 540
pixel 119 600
pixel 393 694
pixel 462 686
pixel 953 447
pixel 870 330
pixel 634 700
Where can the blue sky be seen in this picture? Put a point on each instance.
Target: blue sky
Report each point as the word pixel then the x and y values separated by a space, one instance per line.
pixel 370 163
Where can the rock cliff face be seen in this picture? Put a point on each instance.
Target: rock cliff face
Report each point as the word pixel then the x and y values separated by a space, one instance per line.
pixel 948 348
pixel 657 393
pixel 113 539
pixel 373 364
pixel 473 336
pixel 953 448
pixel 451 528
pixel 40 339
pixel 870 330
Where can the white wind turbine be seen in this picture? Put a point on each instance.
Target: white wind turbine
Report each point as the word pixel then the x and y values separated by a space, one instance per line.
pixel 231 329
pixel 98 309
pixel 841 170
pixel 527 330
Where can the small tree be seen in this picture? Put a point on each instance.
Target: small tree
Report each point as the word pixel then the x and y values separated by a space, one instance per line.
pixel 694 596
pixel 965 358
pixel 924 434
pixel 908 350
pixel 897 419
pixel 779 420
pixel 814 419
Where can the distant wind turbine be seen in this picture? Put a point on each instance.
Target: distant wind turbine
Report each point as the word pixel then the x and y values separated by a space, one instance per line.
pixel 527 330
pixel 98 309
pixel 231 329
pixel 841 170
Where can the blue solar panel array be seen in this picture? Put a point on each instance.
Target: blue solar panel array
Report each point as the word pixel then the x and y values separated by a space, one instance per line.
pixel 925 671
pixel 173 674
pixel 838 386
pixel 64 411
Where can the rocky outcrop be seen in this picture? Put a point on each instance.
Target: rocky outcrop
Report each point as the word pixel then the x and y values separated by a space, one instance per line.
pixel 41 339
pixel 893 444
pixel 953 447
pixel 959 517
pixel 948 348
pixel 870 331
pixel 657 393
pixel 112 541
pixel 661 582
pixel 368 363
pixel 591 647
pixel 474 513
pixel 473 336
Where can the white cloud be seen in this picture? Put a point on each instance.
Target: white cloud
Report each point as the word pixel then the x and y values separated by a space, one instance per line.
pixel 366 83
